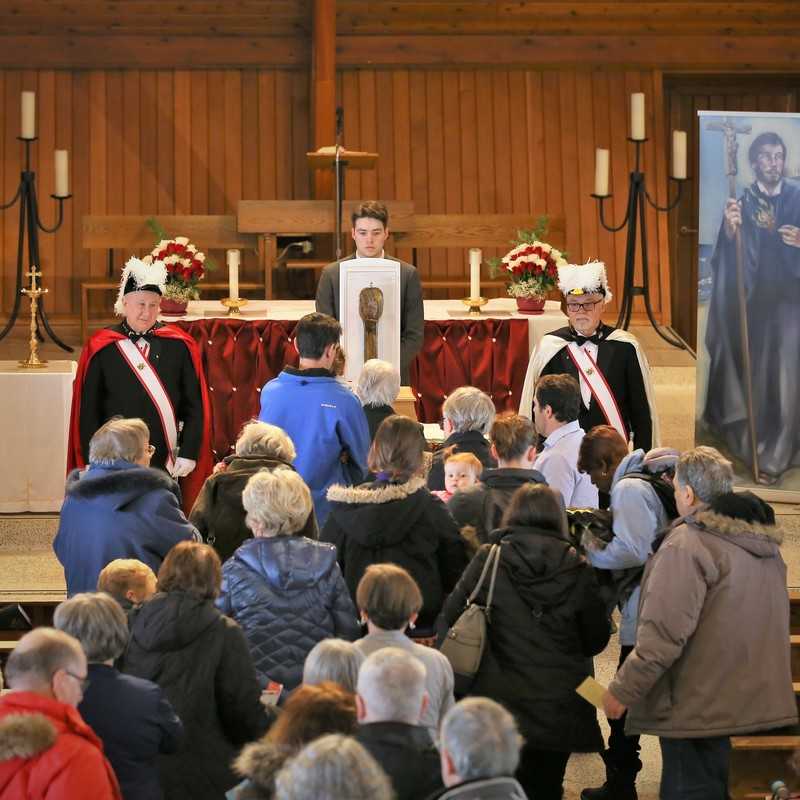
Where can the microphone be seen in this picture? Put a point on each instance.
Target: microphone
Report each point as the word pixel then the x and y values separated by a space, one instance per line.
pixel 779 791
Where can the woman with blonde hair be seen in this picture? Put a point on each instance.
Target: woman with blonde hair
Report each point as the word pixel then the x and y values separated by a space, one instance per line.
pixel 284 589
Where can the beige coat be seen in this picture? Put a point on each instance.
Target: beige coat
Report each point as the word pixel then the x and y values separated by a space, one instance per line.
pixel 712 645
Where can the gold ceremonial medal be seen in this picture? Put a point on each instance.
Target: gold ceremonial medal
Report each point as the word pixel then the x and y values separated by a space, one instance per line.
pixel 140 366
pixel 590 371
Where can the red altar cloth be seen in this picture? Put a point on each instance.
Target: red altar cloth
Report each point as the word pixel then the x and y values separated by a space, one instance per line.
pixel 240 356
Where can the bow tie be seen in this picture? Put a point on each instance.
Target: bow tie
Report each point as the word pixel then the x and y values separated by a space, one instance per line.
pixel 135 336
pixel 595 338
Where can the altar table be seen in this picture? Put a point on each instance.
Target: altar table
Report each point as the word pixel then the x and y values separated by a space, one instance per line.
pixel 240 354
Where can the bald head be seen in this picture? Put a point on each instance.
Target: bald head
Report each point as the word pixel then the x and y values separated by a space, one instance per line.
pixel 48 662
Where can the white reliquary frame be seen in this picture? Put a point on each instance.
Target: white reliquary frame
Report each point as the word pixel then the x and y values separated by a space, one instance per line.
pixel 356 274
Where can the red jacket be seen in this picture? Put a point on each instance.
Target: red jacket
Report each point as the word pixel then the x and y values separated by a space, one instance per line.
pixel 47 752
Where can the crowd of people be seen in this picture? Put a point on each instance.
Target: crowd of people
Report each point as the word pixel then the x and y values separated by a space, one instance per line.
pixel 282 640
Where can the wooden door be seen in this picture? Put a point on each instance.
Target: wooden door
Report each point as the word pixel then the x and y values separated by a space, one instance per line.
pixel 685 96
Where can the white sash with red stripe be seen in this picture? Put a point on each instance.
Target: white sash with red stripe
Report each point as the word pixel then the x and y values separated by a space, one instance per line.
pixel 152 384
pixel 591 374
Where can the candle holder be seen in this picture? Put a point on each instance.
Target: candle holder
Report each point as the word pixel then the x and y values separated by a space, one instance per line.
pixel 474 304
pixel 34 293
pixel 234 306
pixel 637 197
pixel 29 226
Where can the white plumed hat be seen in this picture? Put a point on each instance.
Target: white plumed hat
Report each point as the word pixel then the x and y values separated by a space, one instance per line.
pixel 140 276
pixel 578 279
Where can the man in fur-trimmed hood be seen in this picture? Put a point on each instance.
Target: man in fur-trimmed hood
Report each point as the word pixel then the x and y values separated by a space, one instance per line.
pixel 712 646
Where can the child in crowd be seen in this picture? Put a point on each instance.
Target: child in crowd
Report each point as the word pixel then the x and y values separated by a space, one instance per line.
pixel 129 581
pixel 461 470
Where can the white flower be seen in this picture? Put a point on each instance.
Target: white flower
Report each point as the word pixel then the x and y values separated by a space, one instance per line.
pixel 181 240
pixel 201 257
pixel 148 259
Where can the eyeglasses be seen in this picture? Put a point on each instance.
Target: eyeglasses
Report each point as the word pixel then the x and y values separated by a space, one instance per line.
pixel 588 306
pixel 82 682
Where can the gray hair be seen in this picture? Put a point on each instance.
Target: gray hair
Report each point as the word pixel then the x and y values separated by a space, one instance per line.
pixel 469 409
pixel 97 621
pixel 119 440
pixel 39 655
pixel 391 683
pixel 378 384
pixel 331 768
pixel 706 471
pixel 481 738
pixel 262 439
pixel 333 660
pixel 277 502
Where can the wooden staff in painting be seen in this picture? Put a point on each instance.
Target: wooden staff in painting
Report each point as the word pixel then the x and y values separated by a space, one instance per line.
pixel 370 309
pixel 730 131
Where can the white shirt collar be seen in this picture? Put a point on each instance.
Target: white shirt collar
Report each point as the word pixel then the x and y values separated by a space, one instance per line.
pixel 774 193
pixel 559 433
pixel 382 255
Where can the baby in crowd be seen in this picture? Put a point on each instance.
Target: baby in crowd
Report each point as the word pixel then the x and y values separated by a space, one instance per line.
pixel 461 470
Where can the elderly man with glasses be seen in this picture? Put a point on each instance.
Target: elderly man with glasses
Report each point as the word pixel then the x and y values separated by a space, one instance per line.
pixel 46 749
pixel 608 363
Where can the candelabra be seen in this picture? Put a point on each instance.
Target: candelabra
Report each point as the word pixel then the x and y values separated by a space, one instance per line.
pixel 29 227
pixel 637 197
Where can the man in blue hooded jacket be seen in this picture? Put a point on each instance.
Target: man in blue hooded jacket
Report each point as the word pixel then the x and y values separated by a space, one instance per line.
pixel 322 416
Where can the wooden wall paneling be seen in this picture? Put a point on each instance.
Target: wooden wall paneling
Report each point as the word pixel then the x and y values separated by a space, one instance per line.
pixel 131 132
pixel 250 166
pixel 45 83
pixel 621 167
pixel 351 134
pixel 499 120
pixel 401 132
pixel 569 164
pixel 232 128
pixel 267 136
pixel 71 267
pixel 183 146
pixel 585 110
pixel 61 263
pixel 487 198
pixel 384 133
pixel 663 192
pixel 601 119
pixel 419 157
pixel 283 126
pixel 437 196
pixel 148 146
pixel 12 83
pixel 198 132
pixel 301 135
pixel 518 152
pixel 98 158
pixel 216 142
pixel 535 126
pixel 367 112
pixel 453 184
pixel 654 143
pixel 550 112
pixel 469 126
pixel 115 150
pixel 166 156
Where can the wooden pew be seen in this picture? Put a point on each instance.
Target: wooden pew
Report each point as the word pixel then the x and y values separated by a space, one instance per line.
pixel 131 233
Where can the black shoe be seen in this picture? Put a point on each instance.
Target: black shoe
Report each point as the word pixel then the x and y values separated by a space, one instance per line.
pixel 616 787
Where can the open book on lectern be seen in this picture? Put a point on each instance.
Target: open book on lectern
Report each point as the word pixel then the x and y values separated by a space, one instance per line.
pixel 369 311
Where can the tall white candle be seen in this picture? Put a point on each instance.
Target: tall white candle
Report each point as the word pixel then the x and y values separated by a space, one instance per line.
pixel 679 154
pixel 233 274
pixel 28 115
pixel 62 173
pixel 601 172
pixel 637 116
pixel 475 258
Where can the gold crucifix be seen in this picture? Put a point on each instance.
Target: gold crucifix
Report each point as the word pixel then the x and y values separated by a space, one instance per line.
pixel 34 292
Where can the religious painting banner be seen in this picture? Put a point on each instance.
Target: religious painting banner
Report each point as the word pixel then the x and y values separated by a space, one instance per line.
pixel 748 338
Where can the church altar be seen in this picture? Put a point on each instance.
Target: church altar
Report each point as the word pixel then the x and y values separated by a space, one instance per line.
pixel 240 354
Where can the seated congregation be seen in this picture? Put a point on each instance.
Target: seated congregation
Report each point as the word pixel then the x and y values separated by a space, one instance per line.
pixel 291 638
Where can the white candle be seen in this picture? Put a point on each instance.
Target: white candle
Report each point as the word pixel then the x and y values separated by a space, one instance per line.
pixel 233 274
pixel 62 173
pixel 28 115
pixel 637 116
pixel 679 154
pixel 475 258
pixel 601 172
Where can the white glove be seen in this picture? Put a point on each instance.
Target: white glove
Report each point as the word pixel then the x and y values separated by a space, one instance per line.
pixel 182 467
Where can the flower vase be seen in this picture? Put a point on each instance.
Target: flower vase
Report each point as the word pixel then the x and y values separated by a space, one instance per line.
pixel 171 307
pixel 533 304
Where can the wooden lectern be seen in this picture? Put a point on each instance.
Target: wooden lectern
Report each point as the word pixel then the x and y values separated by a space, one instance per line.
pixel 338 158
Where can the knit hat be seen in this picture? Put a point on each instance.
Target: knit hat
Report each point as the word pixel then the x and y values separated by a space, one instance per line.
pixel 575 280
pixel 138 276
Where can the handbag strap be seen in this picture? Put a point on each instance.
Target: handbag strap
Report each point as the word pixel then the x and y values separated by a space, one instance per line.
pixel 494 553
pixel 491 582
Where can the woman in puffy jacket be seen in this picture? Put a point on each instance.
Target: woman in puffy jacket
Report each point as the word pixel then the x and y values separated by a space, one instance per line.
pixel 285 590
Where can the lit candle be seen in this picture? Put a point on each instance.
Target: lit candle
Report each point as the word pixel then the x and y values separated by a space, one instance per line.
pixel 601 172
pixel 28 115
pixel 233 274
pixel 679 154
pixel 637 116
pixel 62 173
pixel 475 258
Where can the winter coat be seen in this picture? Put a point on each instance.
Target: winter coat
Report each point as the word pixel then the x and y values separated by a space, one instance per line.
pixel 135 723
pixel 218 512
pixel 483 789
pixel 200 659
pixel 287 593
pixel 48 752
pixel 547 621
pixel 258 763
pixel 465 442
pixel 479 509
pixel 375 415
pixel 402 523
pixel 712 646
pixel 117 510
pixel 638 516
pixel 406 754
pixel 325 421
